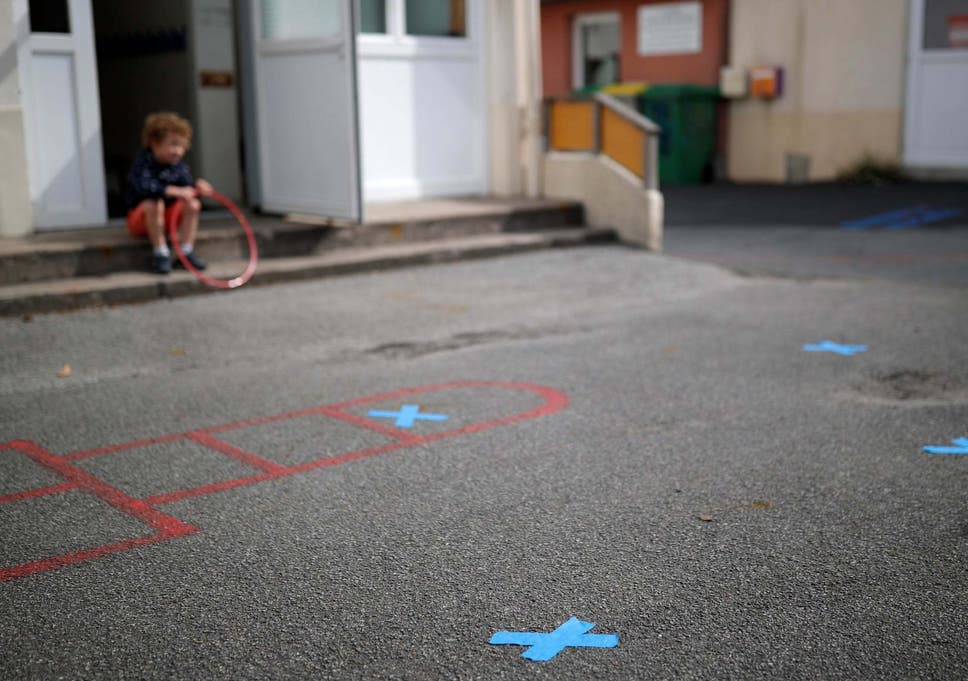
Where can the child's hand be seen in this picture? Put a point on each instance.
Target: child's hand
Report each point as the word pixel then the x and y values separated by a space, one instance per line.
pixel 177 192
pixel 203 187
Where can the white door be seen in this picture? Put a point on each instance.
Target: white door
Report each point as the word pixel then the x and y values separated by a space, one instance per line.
pixel 935 131
pixel 305 93
pixel 62 118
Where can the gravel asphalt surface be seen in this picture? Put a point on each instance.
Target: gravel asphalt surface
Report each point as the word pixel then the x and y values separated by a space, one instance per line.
pixel 730 506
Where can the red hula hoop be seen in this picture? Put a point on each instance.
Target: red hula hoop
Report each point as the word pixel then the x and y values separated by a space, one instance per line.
pixel 174 216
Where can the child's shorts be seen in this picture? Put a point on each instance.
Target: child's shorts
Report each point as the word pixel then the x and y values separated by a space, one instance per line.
pixel 138 224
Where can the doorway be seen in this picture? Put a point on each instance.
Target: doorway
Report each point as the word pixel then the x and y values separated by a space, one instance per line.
pixel 935 135
pixel 178 56
pixel 596 49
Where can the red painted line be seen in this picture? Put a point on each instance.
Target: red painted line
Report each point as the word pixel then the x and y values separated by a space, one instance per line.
pixel 202 490
pixel 353 456
pixel 44 564
pixel 406 392
pixel 261 420
pixel 105 492
pixel 43 491
pixel 389 431
pixel 113 449
pixel 236 453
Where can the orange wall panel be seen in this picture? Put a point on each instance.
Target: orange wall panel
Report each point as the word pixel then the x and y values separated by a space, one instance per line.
pixel 572 126
pixel 623 142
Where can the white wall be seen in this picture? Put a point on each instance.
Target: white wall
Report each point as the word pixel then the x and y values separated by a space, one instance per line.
pixel 16 216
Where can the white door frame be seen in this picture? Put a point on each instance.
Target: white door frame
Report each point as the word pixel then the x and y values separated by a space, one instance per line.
pixel 918 58
pixel 577 58
pixel 273 194
pixel 87 205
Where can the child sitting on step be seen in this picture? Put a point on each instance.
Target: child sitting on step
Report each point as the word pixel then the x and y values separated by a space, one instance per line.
pixel 158 178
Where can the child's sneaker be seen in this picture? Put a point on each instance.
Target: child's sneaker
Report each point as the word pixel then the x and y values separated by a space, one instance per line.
pixel 195 261
pixel 160 264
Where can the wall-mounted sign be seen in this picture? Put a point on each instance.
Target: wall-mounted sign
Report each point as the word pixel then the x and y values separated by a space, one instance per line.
pixel 670 28
pixel 212 78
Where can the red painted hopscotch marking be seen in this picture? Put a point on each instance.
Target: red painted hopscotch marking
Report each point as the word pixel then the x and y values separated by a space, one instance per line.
pixel 166 527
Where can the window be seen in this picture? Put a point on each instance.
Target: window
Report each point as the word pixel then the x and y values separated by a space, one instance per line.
pixel 437 18
pixel 373 16
pixel 49 16
pixel 945 25
pixel 286 19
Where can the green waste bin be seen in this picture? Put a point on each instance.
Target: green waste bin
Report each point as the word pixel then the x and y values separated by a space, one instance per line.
pixel 687 115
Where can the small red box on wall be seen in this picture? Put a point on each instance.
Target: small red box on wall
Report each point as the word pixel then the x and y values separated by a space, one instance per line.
pixel 766 82
pixel 958 30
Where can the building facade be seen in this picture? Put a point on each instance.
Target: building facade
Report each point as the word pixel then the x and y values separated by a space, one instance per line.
pixel 298 105
pixel 809 87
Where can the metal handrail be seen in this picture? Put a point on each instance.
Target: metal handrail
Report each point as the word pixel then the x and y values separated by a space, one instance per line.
pixel 628 113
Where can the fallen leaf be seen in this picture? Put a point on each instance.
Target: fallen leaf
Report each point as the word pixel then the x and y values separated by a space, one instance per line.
pixel 761 505
pixel 177 352
pixel 65 371
pixel 27 317
pixel 706 518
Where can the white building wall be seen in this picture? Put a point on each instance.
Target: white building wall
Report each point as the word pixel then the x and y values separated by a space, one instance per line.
pixel 16 215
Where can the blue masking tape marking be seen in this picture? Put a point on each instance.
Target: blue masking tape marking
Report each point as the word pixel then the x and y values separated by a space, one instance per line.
pixel 960 447
pixel 904 218
pixel 543 647
pixel 883 219
pixel 408 415
pixel 830 346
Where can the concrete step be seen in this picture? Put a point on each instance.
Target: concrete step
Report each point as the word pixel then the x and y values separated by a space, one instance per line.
pixel 104 251
pixel 127 287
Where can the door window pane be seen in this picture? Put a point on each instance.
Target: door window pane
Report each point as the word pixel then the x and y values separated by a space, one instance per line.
pixel 600 47
pixel 945 25
pixel 373 16
pixel 49 16
pixel 285 19
pixel 437 18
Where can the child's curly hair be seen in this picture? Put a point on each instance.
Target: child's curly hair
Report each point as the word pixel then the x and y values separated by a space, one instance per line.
pixel 159 125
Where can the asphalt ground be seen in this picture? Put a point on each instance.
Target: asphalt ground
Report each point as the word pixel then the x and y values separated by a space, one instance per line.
pixel 727 504
pixel 912 232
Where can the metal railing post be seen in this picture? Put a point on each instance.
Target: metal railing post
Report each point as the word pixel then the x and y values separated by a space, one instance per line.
pixel 650 159
pixel 596 127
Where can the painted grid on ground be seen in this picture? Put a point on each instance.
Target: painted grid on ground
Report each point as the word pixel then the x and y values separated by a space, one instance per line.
pixel 73 469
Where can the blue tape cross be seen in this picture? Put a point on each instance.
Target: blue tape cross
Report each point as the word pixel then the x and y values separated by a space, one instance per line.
pixel 830 346
pixel 408 414
pixel 960 447
pixel 543 647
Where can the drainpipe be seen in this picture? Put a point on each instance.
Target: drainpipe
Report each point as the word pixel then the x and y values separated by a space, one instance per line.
pixel 528 89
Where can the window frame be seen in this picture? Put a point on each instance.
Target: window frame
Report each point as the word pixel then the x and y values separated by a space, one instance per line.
pixel 396 42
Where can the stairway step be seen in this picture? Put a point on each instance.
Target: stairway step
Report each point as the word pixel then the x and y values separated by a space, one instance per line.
pixel 104 251
pixel 134 287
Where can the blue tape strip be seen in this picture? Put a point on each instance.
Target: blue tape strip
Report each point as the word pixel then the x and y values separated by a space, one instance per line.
pixel 543 647
pixel 407 416
pixel 830 346
pixel 904 218
pixel 960 447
